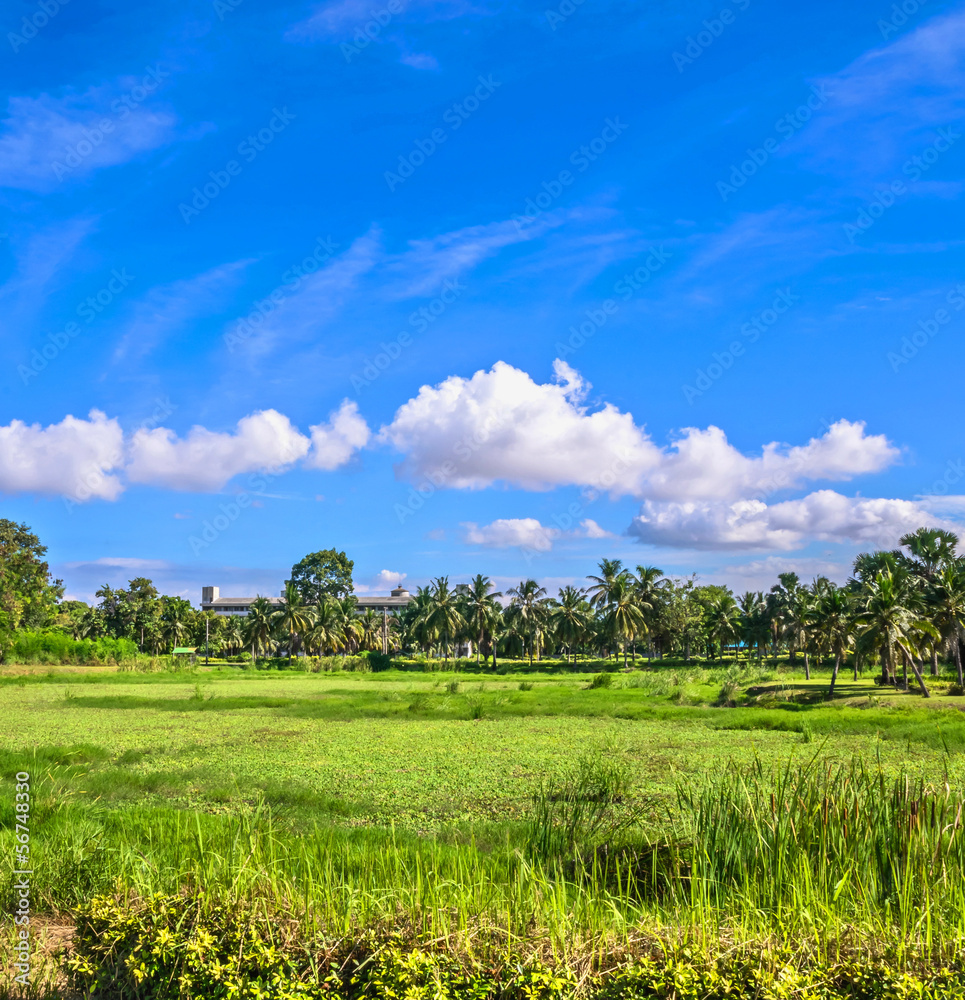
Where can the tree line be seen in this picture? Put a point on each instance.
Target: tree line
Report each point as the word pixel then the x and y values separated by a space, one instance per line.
pixel 902 611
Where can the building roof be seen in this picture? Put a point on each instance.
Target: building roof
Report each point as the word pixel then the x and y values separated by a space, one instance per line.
pixel 239 600
pixel 368 601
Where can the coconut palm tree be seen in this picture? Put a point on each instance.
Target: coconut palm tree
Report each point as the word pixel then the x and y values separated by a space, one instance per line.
pixel 945 599
pixel 232 634
pixel 528 611
pixel 443 619
pixel 932 549
pixel 571 617
pixel 622 618
pixel 370 630
pixel 651 587
pixel 293 618
pixel 599 592
pixel 890 614
pixel 755 623
pixel 327 631
pixel 258 625
pixel 833 622
pixel 723 619
pixel 482 613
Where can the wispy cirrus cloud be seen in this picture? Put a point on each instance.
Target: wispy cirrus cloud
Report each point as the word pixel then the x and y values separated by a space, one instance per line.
pixel 889 101
pixel 48 140
pixel 167 309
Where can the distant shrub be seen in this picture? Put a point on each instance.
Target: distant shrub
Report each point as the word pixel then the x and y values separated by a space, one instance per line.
pixel 55 647
pixel 378 661
pixel 601 681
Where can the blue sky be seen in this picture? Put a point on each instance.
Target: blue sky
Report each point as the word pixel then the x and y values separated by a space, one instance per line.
pixel 469 287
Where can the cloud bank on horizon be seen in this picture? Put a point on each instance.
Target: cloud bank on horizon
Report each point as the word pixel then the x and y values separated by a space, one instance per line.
pixel 500 428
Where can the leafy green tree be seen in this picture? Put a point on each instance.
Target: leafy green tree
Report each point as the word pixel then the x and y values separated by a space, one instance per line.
pixel 28 594
pixel 327 573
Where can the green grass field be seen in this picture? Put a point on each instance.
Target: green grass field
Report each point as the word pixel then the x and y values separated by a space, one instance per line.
pixel 417 801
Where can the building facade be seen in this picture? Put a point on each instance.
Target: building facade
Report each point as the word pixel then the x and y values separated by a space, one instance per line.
pixel 211 600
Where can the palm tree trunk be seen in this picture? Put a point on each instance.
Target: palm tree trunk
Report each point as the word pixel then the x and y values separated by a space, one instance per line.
pixel 958 661
pixel 934 661
pixel 807 666
pixel 918 676
pixel 834 675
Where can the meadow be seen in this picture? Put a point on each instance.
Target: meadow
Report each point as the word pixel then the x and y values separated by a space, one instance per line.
pixel 722 829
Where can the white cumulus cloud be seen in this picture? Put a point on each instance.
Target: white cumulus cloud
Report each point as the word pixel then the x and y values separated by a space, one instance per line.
pixel 500 426
pixel 75 458
pixel 527 533
pixel 753 524
pixel 205 460
pixel 505 533
pixel 335 442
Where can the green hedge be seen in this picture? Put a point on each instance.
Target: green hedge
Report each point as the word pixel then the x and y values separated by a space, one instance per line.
pixel 55 647
pixel 174 947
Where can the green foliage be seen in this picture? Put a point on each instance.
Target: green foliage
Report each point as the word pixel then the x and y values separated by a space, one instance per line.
pixel 27 591
pixel 181 947
pixel 327 573
pixel 171 947
pixel 601 681
pixel 55 647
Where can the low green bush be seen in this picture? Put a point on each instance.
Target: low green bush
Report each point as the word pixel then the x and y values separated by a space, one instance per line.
pixel 180 947
pixel 56 647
